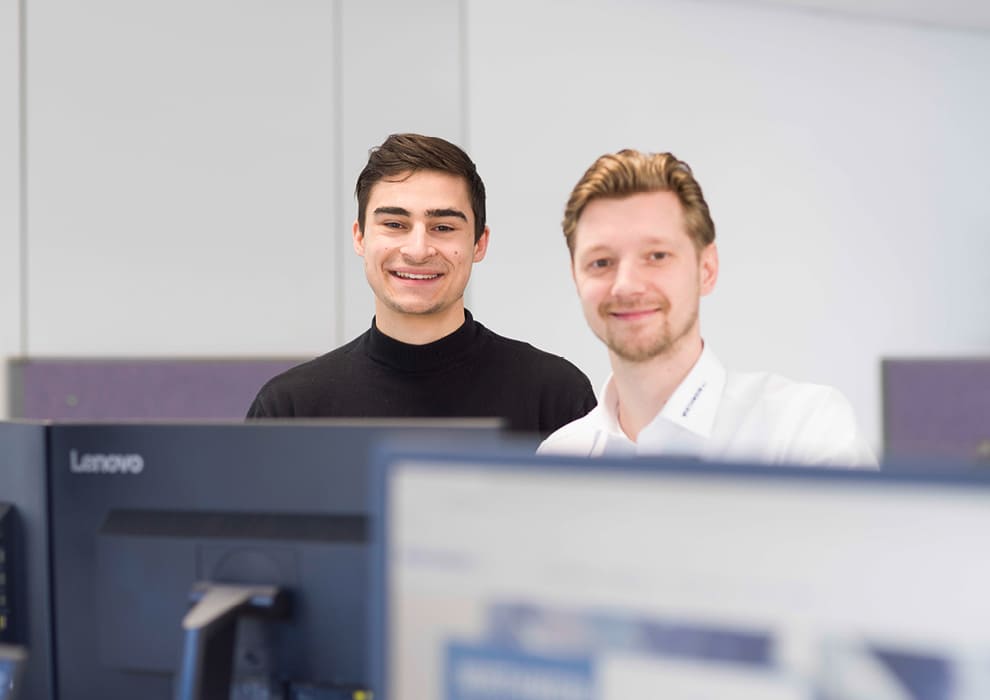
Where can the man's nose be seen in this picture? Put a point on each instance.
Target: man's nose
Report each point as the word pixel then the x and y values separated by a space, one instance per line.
pixel 628 280
pixel 417 245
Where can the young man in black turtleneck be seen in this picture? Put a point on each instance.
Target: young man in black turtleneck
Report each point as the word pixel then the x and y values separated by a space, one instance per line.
pixel 420 228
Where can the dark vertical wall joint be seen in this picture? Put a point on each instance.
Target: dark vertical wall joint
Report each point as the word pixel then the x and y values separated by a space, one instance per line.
pixel 338 219
pixel 23 172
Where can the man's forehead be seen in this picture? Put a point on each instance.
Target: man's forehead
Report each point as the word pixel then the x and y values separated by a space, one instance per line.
pixel 424 186
pixel 647 217
pixel 656 205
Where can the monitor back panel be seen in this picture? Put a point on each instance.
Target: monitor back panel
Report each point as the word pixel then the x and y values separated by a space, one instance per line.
pixel 141 512
pixel 26 590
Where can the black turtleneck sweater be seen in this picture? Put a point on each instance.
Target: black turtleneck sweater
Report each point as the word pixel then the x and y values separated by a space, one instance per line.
pixel 470 373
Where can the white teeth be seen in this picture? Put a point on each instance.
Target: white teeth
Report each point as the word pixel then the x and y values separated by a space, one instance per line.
pixel 413 276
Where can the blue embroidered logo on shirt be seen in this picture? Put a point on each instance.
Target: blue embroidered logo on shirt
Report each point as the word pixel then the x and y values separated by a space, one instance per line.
pixel 687 409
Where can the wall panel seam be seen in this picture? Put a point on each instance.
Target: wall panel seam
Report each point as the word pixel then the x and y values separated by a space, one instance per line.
pixel 22 213
pixel 465 135
pixel 339 286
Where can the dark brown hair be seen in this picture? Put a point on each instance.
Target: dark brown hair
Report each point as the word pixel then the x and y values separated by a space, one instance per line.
pixel 405 154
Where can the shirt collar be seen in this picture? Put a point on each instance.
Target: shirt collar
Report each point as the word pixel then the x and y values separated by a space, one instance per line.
pixel 692 406
pixel 430 357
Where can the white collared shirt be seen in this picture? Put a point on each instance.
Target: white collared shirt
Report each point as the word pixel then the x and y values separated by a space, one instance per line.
pixel 721 415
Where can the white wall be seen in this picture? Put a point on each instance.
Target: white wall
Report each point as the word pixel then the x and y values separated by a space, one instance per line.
pixel 10 249
pixel 181 169
pixel 191 170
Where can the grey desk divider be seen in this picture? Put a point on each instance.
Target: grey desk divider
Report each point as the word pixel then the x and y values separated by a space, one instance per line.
pixel 23 486
pixel 138 388
pixel 937 407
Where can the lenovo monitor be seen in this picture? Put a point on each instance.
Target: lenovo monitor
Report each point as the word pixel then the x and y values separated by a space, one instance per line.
pixel 216 560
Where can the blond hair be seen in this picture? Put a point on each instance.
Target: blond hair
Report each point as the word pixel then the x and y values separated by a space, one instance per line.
pixel 617 175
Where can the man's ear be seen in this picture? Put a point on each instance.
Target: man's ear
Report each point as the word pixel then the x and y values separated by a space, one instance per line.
pixel 481 245
pixel 358 237
pixel 708 267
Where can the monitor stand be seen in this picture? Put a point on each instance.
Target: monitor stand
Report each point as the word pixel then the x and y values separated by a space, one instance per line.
pixel 12 659
pixel 211 633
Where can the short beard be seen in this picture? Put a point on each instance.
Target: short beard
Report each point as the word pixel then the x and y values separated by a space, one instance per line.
pixel 655 347
pixel 426 311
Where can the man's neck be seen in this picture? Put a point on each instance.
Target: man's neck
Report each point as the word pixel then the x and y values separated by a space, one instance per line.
pixel 418 329
pixel 643 388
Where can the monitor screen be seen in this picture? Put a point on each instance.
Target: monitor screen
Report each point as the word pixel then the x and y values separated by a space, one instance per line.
pixel 521 578
pixel 25 611
pixel 149 519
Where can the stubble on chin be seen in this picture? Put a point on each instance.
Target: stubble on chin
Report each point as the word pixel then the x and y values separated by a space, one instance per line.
pixel 639 351
pixel 649 346
pixel 416 308
pixel 411 309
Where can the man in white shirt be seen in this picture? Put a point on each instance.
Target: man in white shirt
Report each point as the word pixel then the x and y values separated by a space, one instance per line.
pixel 643 253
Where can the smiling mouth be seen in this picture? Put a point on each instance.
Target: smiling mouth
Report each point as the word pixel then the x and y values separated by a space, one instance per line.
pixel 416 276
pixel 632 315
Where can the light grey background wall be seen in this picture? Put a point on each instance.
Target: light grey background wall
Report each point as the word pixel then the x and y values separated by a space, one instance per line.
pixel 180 176
pixel 191 167
pixel 10 249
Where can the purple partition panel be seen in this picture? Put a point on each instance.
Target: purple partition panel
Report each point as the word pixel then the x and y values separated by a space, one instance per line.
pixel 937 407
pixel 129 389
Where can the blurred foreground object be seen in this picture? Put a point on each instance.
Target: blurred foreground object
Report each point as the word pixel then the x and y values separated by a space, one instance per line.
pixel 504 576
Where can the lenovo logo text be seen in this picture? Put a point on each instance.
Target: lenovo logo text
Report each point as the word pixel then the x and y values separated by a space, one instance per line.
pixel 105 463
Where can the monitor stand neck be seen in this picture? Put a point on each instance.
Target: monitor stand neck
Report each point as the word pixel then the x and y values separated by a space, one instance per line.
pixel 211 632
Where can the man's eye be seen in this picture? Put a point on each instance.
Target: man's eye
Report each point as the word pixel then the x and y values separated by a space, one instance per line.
pixel 657 255
pixel 444 228
pixel 599 264
pixel 392 224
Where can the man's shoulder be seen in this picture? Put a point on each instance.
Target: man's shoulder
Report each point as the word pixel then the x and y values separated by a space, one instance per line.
pixel 576 438
pixel 777 391
pixel 523 354
pixel 809 423
pixel 326 367
pixel 549 390
pixel 302 390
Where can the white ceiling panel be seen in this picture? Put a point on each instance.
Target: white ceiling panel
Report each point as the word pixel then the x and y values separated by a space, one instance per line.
pixel 973 15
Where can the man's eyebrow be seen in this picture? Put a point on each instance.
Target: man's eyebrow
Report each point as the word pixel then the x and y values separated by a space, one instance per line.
pixel 597 250
pixel 443 213
pixel 392 211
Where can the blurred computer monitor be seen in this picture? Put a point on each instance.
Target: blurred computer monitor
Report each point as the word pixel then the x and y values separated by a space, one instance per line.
pixel 25 612
pixel 142 514
pixel 514 577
